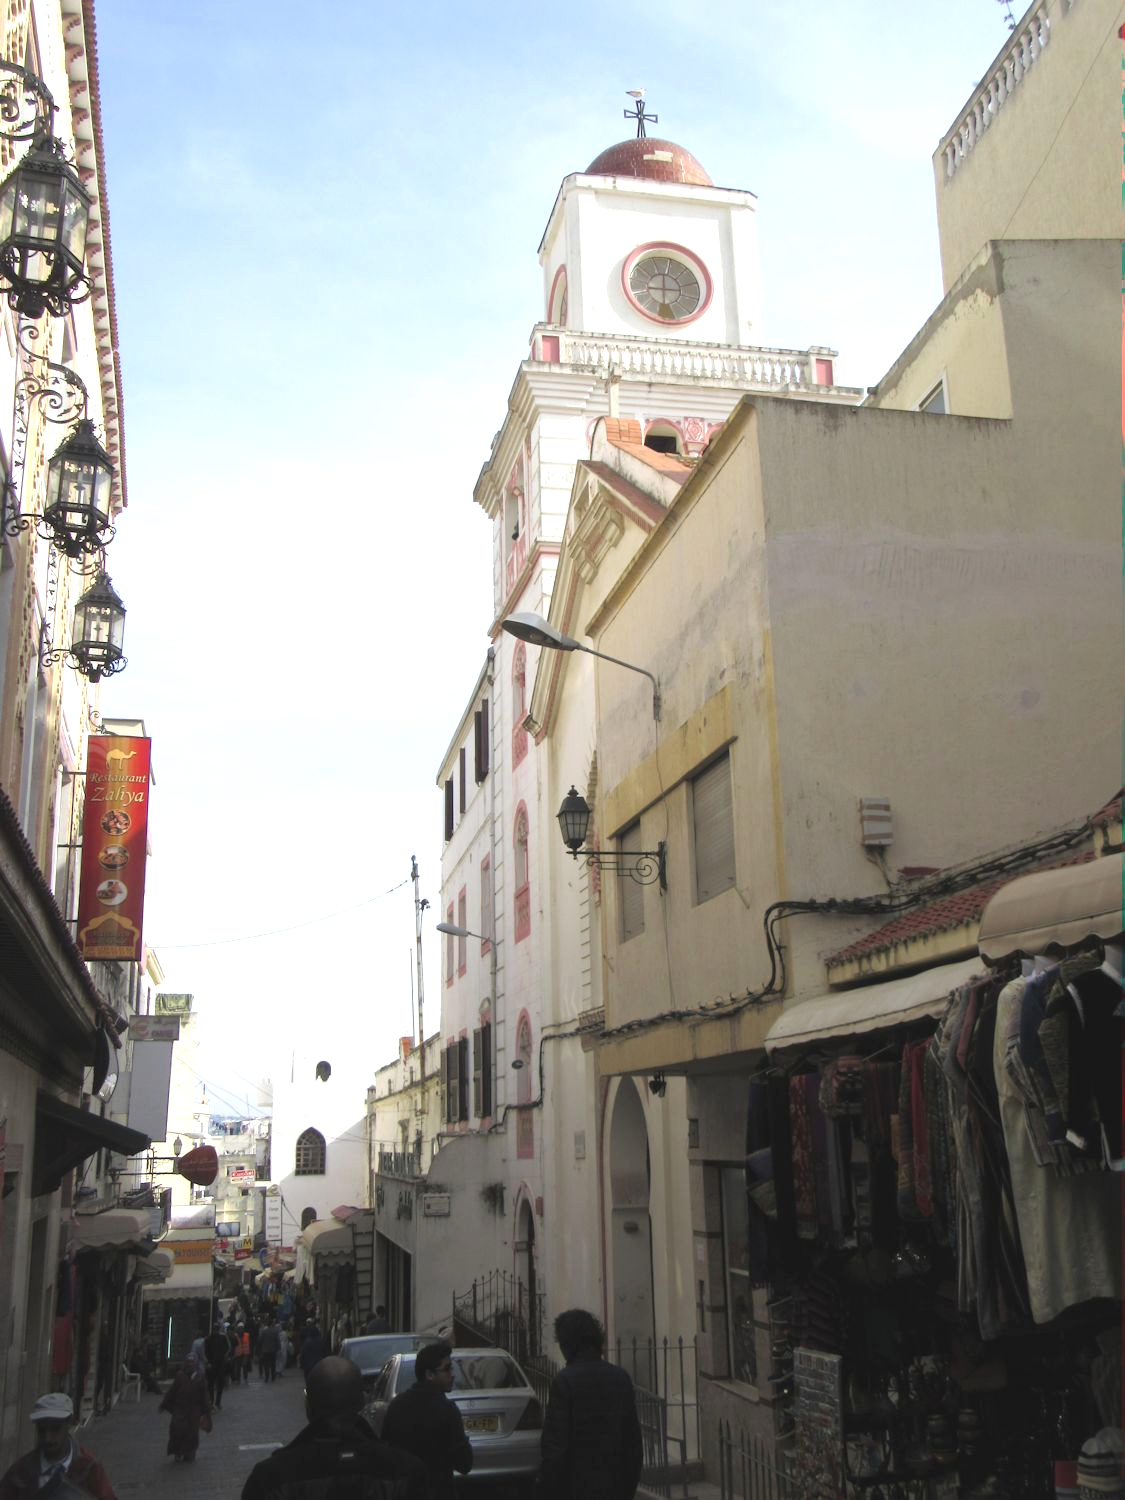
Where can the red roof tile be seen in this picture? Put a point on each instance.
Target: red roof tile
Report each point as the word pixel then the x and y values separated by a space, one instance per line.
pixel 942 915
pixel 1110 813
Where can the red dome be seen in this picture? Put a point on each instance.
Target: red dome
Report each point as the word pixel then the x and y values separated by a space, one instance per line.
pixel 663 161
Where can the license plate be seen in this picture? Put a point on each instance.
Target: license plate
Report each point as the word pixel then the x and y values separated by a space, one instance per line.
pixel 482 1424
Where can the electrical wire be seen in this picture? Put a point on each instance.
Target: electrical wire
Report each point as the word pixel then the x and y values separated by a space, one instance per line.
pixel 252 937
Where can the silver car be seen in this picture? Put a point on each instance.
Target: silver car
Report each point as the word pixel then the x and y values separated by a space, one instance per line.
pixel 503 1420
pixel 370 1351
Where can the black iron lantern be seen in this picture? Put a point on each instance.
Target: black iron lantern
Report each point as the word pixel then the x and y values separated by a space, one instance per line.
pixel 79 481
pixel 574 820
pixel 99 630
pixel 44 216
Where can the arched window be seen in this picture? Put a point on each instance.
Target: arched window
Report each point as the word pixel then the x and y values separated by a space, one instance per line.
pixel 557 310
pixel 312 1154
pixel 664 437
pixel 522 874
pixel 308 1216
pixel 519 704
pixel 525 1129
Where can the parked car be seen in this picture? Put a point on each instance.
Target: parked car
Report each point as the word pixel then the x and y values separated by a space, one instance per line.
pixel 503 1420
pixel 370 1351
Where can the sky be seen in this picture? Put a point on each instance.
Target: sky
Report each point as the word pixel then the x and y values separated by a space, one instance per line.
pixel 324 229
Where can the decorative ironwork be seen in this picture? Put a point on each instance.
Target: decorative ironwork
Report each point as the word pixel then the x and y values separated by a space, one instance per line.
pixel 27 106
pixel 96 635
pixel 645 866
pixel 637 113
pixel 60 394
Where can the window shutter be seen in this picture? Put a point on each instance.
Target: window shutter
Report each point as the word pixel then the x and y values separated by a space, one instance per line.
pixel 713 829
pixel 463 1078
pixel 630 895
pixel 449 809
pixel 445 1083
pixel 477 1111
pixel 486 1070
pixel 461 775
pixel 480 742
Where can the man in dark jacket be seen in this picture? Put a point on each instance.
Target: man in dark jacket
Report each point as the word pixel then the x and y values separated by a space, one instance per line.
pixel 57 1463
pixel 591 1444
pixel 216 1352
pixel 337 1454
pixel 426 1423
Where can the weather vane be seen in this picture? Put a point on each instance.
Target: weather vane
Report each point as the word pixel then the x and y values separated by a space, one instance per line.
pixel 638 112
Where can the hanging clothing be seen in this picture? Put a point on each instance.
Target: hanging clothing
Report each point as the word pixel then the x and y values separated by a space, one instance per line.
pixel 1069 1226
pixel 804 1166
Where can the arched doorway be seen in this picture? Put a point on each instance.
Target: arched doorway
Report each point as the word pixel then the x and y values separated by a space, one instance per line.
pixel 527 1290
pixel 630 1224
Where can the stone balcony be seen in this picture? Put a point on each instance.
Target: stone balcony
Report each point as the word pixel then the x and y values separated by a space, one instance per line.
pixel 746 366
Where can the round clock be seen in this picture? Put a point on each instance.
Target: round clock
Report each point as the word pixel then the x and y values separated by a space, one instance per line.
pixel 666 283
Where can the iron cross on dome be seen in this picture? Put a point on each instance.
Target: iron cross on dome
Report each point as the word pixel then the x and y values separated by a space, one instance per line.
pixel 638 112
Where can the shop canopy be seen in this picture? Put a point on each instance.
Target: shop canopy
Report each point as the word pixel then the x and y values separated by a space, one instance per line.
pixel 870 1007
pixel 1057 908
pixel 66 1136
pixel 155 1268
pixel 116 1229
pixel 329 1241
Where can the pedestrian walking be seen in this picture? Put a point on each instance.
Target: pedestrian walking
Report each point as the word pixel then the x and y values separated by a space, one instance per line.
pixel 216 1352
pixel 423 1421
pixel 312 1347
pixel 242 1355
pixel 190 1409
pixel 591 1445
pixel 56 1460
pixel 379 1323
pixel 337 1453
pixel 268 1345
pixel 282 1351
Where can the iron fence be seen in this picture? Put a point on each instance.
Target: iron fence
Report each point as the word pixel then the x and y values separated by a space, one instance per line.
pixel 749 1468
pixel 669 1368
pixel 499 1309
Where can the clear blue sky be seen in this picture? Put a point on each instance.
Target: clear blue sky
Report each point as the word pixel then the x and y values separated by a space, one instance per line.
pixel 324 225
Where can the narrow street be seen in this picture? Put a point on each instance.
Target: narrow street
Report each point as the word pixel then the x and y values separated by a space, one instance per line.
pixel 255 1418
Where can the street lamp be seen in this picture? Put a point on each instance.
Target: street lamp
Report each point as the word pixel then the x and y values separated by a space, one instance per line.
pixel 44 207
pixel 533 628
pixel 642 865
pixel 97 633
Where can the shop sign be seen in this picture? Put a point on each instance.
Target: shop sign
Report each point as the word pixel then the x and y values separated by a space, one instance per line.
pixel 241 1252
pixel 111 890
pixel 154 1028
pixel 192 1252
pixel 241 1174
pixel 174 1005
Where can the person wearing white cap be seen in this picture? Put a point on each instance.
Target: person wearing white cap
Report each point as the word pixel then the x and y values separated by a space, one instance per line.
pixel 57 1463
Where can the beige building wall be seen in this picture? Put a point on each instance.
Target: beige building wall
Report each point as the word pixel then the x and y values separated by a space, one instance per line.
pixel 1036 150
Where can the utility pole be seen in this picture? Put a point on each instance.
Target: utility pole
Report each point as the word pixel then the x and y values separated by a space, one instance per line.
pixel 419 907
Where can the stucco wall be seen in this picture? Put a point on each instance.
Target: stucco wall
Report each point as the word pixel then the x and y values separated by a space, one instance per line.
pixel 1048 164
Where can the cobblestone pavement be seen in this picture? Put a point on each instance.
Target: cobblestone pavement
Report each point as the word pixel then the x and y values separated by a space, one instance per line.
pixel 254 1419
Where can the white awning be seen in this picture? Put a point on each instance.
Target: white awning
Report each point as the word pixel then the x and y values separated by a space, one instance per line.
pixel 870 1007
pixel 155 1268
pixel 1055 909
pixel 116 1229
pixel 329 1240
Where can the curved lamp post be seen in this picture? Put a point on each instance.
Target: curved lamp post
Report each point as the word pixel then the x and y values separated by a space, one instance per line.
pixel 528 626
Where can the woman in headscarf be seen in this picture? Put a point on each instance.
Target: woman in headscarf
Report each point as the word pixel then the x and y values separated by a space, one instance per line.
pixel 189 1404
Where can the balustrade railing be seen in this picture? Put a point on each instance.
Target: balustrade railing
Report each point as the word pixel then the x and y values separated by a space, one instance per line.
pixel 636 354
pixel 1016 61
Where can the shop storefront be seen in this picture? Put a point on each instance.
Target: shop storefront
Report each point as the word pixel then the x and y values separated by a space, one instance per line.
pixel 934 1183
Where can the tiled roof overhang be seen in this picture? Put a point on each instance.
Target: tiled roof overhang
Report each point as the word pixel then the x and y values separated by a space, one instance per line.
pixel 81 44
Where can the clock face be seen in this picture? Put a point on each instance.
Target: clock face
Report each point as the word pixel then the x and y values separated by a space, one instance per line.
pixel 667 284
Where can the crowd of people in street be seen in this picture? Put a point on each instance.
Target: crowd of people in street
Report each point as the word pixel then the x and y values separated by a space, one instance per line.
pixel 591 1442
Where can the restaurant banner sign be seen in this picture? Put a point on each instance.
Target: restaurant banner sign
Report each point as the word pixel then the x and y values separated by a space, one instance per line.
pixel 111 893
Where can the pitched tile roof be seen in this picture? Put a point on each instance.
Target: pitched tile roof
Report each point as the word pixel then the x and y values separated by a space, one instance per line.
pixel 942 915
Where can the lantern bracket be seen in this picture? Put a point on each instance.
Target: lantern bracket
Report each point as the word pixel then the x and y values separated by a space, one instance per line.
pixel 645 866
pixel 27 106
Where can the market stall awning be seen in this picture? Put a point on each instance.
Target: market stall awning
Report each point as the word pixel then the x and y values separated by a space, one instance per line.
pixel 870 1007
pixel 155 1268
pixel 329 1241
pixel 116 1229
pixel 65 1136
pixel 1055 909
pixel 191 1280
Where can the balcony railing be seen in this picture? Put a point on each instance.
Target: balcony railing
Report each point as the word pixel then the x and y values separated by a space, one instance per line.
pixel 755 367
pixel 1012 67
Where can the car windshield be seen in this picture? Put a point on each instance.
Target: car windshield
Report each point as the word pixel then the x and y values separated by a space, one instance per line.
pixel 486 1372
pixel 372 1353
